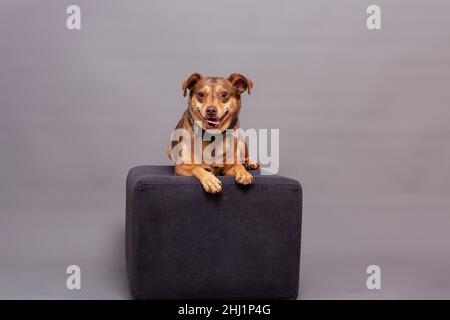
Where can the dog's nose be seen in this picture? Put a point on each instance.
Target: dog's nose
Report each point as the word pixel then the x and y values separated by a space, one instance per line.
pixel 211 111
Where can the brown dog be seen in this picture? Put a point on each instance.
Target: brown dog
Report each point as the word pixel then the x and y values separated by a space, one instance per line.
pixel 214 104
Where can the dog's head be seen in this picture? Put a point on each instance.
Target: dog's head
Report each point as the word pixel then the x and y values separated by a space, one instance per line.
pixel 215 102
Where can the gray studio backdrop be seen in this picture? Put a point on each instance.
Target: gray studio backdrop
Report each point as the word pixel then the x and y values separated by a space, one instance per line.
pixel 363 118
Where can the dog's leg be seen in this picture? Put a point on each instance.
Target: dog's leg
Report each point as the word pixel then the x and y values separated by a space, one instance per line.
pixel 241 175
pixel 209 182
pixel 249 163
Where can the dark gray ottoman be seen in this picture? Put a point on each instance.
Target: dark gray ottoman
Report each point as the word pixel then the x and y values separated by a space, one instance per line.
pixel 182 243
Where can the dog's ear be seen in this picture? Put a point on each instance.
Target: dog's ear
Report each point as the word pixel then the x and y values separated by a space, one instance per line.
pixel 190 82
pixel 240 83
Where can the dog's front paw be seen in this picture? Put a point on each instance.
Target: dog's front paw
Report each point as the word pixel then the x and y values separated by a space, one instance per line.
pixel 211 184
pixel 252 165
pixel 243 177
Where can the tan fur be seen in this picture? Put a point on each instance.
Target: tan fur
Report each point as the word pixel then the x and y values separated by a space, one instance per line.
pixel 225 96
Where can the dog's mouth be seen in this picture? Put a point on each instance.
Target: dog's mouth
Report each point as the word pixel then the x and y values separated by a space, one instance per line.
pixel 214 122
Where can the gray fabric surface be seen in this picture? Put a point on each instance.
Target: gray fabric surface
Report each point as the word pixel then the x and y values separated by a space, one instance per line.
pixel 185 243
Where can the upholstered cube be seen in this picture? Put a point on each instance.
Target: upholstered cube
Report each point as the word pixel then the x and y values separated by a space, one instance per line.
pixel 183 243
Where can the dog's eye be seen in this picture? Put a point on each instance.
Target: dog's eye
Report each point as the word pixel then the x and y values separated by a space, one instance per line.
pixel 224 94
pixel 201 94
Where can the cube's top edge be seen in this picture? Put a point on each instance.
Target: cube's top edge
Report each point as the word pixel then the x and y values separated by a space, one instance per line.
pixel 165 175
